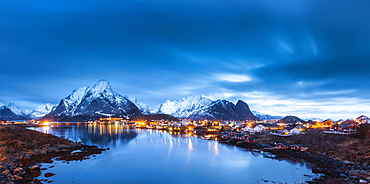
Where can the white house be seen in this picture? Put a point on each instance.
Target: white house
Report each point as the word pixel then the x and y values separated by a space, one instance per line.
pixel 248 129
pixel 176 124
pixel 259 128
pixel 292 131
pixel 363 119
pixel 185 122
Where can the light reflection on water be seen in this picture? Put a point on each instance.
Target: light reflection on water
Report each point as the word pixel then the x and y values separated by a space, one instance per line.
pixel 152 156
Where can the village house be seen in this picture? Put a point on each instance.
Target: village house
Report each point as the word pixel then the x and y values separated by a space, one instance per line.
pixel 344 128
pixel 340 121
pixel 291 131
pixel 185 122
pixel 176 124
pixel 249 140
pixel 259 128
pixel 300 127
pixel 3 122
pixel 240 137
pixel 256 129
pixel 298 147
pixel 309 124
pixel 363 119
pixel 247 129
pixel 327 123
pixel 271 127
pixel 282 146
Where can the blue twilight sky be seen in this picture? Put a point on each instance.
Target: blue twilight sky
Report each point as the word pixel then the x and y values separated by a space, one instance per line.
pixel 309 58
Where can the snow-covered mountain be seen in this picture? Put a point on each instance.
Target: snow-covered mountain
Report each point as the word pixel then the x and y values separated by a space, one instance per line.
pixel 263 116
pixel 202 107
pixel 185 107
pixel 87 103
pixel 15 109
pixel 41 111
pixel 144 108
pixel 12 112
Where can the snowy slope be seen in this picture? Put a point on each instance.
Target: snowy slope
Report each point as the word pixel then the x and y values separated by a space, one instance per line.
pixel 263 116
pixel 41 111
pixel 202 107
pixel 184 107
pixel 94 102
pixel 144 108
pixel 15 109
pixel 12 112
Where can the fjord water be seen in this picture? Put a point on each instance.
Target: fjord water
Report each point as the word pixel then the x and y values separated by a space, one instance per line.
pixel 152 156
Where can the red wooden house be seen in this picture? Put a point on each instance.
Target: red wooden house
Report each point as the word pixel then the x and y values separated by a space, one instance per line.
pixel 227 135
pixel 240 137
pixel 249 140
pixel 298 147
pixel 282 146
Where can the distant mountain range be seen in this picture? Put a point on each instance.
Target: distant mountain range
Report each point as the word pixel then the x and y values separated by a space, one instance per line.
pixel 12 112
pixel 201 107
pixel 263 116
pixel 90 103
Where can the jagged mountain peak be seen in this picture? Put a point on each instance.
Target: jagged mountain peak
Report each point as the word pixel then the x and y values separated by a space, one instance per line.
pixel 46 106
pixel 222 103
pixel 12 112
pixel 243 110
pixel 90 103
pixel 263 116
pixel 76 96
pixel 202 107
pixel 191 99
pixel 15 109
pixel 144 108
pixel 241 102
pixel 41 111
pixel 12 106
pixel 102 86
pixel 184 107
pixel 101 89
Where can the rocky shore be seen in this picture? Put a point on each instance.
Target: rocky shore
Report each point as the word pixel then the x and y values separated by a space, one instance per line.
pixel 342 159
pixel 331 155
pixel 22 150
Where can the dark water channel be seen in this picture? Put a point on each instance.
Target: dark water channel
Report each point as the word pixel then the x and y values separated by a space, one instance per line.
pixel 152 156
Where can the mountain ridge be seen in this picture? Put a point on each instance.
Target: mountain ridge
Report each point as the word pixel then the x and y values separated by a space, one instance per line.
pixel 100 100
pixel 202 107
pixel 89 103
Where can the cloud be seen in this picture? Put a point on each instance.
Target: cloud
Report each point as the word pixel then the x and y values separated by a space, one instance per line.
pixel 284 53
pixel 232 77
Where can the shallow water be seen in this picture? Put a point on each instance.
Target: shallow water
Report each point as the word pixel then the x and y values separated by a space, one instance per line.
pixel 151 156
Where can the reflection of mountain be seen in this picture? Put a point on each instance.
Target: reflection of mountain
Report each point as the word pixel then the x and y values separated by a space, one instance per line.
pixel 103 136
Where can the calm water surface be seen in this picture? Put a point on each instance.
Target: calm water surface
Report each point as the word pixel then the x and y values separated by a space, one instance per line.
pixel 151 156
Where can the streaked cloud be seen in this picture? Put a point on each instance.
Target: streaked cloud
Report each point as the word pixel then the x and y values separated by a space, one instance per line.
pixel 281 57
pixel 232 77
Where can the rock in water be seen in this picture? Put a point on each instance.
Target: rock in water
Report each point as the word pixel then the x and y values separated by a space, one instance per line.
pixel 49 174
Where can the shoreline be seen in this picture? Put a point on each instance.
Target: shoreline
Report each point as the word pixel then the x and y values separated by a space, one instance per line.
pixel 334 170
pixel 21 165
pixel 22 150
